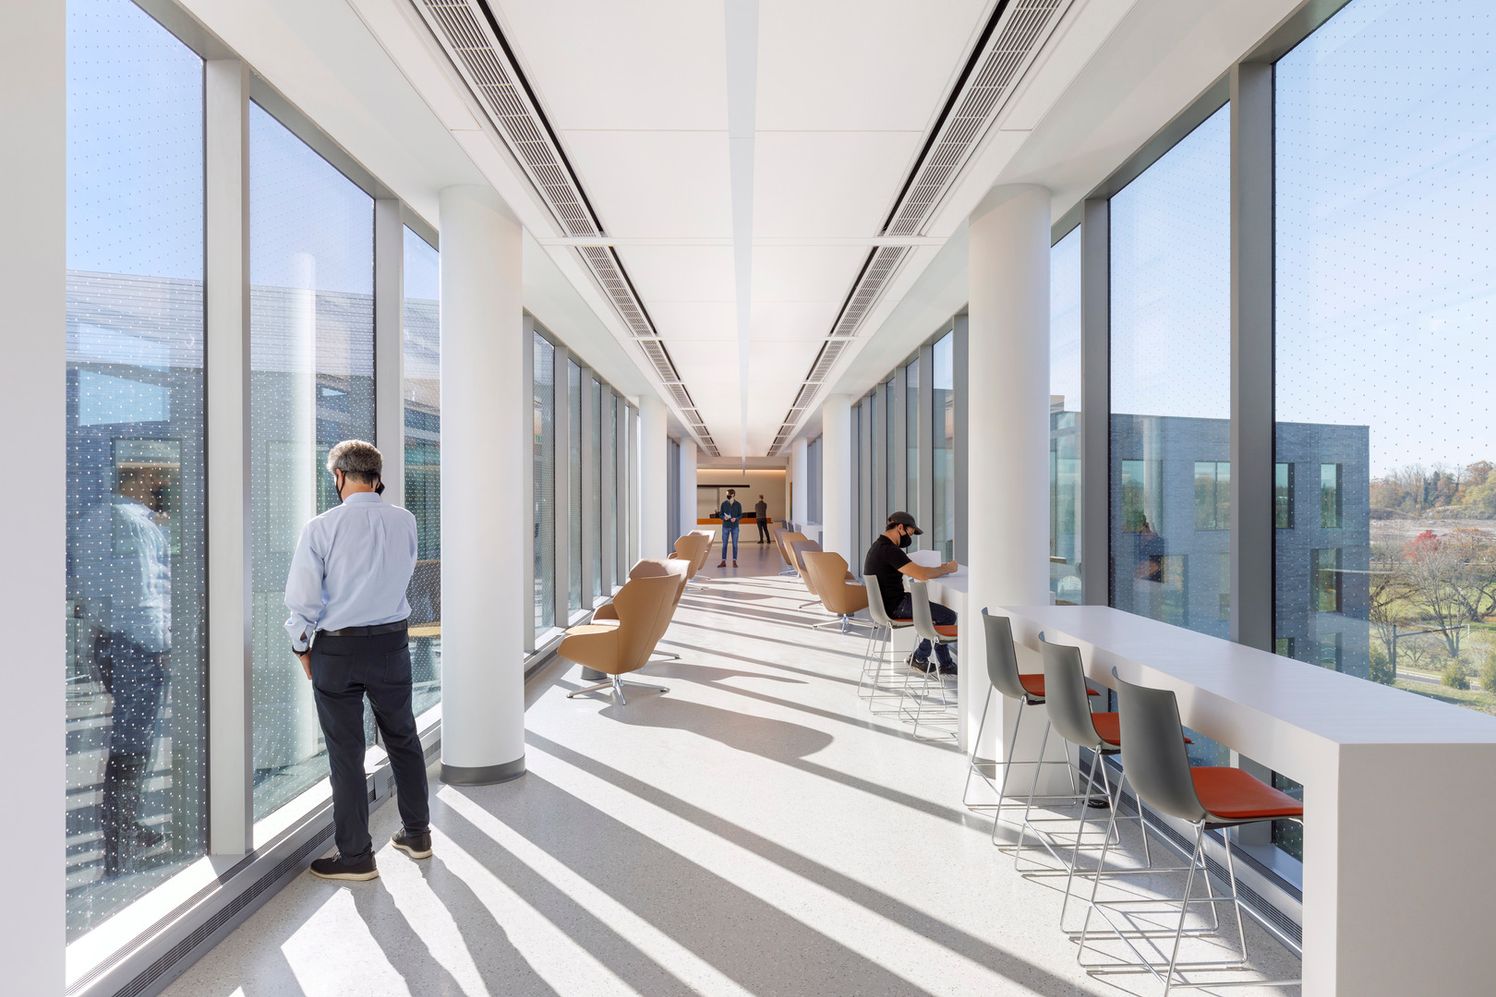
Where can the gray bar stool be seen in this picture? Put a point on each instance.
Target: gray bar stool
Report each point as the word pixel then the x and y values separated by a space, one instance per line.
pixel 1071 716
pixel 1028 690
pixel 880 637
pixel 1207 797
pixel 924 626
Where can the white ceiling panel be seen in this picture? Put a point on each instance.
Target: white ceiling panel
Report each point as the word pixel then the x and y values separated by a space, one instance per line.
pixel 693 321
pixel 611 65
pixel 680 273
pixel 818 184
pixel 652 184
pixel 805 273
pixel 837 65
pixel 792 321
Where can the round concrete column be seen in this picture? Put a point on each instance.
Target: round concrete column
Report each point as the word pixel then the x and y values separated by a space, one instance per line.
pixel 800 479
pixel 1007 477
pixel 653 479
pixel 485 439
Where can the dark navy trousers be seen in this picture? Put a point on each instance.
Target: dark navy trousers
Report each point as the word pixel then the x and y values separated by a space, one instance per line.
pixel 344 671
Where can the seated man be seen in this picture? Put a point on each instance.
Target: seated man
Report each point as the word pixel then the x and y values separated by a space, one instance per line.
pixel 886 561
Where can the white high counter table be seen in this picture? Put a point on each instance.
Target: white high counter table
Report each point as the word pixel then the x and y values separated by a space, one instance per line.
pixel 1400 814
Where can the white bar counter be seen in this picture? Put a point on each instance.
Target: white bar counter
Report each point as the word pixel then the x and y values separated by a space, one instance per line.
pixel 1400 814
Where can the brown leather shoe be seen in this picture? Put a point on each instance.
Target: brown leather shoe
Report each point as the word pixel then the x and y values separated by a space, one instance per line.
pixel 721 564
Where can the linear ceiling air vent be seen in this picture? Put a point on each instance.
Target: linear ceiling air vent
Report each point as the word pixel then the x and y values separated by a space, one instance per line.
pixel 470 34
pixel 1014 35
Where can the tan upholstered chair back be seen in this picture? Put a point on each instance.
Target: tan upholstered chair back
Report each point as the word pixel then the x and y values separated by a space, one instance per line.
pixel 799 547
pixel 787 538
pixel 828 570
pixel 642 604
pixel 692 548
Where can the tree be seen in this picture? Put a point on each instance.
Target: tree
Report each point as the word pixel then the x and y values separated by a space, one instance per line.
pixel 1474 579
pixel 1388 592
pixel 1433 571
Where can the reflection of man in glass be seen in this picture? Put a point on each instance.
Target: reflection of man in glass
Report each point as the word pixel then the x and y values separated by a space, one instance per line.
pixel 123 567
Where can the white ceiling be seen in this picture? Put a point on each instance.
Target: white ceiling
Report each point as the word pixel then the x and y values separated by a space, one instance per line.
pixel 741 153
pixel 639 96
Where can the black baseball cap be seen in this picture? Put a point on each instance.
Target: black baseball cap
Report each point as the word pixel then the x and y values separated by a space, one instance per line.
pixel 903 519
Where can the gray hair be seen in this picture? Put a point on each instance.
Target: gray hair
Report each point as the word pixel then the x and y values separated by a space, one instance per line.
pixel 358 460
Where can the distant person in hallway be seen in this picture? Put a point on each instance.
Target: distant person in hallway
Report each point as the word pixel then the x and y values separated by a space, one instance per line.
pixel 761 513
pixel 347 597
pixel 731 513
pixel 887 562
pixel 123 566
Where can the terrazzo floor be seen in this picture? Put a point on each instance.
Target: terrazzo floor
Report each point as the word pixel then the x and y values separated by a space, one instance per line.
pixel 752 831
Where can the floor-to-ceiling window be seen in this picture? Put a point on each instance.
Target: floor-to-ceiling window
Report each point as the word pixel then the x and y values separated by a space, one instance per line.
pixel 421 394
pixel 892 406
pixel 611 518
pixel 1064 420
pixel 543 481
pixel 574 480
pixel 1385 257
pixel 859 483
pixel 135 670
pixel 942 518
pixel 1170 383
pixel 813 480
pixel 594 505
pixel 311 385
pixel 912 442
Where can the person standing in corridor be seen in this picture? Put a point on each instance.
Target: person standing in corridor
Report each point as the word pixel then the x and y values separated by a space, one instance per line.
pixel 346 593
pixel 732 514
pixel 761 513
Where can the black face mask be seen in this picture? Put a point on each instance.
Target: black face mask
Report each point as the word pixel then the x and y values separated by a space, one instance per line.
pixel 905 541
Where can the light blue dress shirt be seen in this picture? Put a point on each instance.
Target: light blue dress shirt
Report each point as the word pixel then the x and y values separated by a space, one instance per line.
pixel 351 568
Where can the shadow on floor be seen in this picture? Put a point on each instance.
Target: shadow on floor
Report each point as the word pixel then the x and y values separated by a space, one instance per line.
pixel 950 937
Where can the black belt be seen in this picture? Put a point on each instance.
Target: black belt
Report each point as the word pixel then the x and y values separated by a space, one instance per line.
pixel 383 628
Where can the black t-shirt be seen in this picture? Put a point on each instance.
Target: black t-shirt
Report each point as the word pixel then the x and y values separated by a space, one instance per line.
pixel 883 561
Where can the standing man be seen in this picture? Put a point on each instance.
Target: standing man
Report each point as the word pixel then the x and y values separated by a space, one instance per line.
pixel 732 513
pixel 346 594
pixel 761 513
pixel 122 558
pixel 886 561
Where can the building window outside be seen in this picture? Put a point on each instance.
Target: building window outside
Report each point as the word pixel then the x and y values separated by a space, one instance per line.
pixel 1213 495
pixel 1326 573
pixel 311 385
pixel 1283 496
pixel 421 394
pixel 135 666
pixel 543 481
pixel 1170 384
pixel 943 486
pixel 1064 420
pixel 1329 496
pixel 574 478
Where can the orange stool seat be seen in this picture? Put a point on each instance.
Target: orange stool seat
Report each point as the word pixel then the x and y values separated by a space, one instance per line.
pixel 1233 795
pixel 1034 685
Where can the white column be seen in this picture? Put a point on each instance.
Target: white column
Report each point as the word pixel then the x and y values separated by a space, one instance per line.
pixel 800 479
pixel 485 435
pixel 836 477
pixel 653 479
pixel 1007 480
pixel 33 404
pixel 688 457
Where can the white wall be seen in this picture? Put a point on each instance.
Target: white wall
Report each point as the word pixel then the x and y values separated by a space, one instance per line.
pixel 33 261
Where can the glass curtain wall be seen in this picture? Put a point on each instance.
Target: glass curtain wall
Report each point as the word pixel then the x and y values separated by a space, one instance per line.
pixel 891 404
pixel 942 528
pixel 311 385
pixel 912 443
pixel 595 493
pixel 859 485
pixel 1064 420
pixel 574 477
pixel 1385 560
pixel 610 489
pixel 813 482
pixel 421 395
pixel 1170 385
pixel 135 666
pixel 543 481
